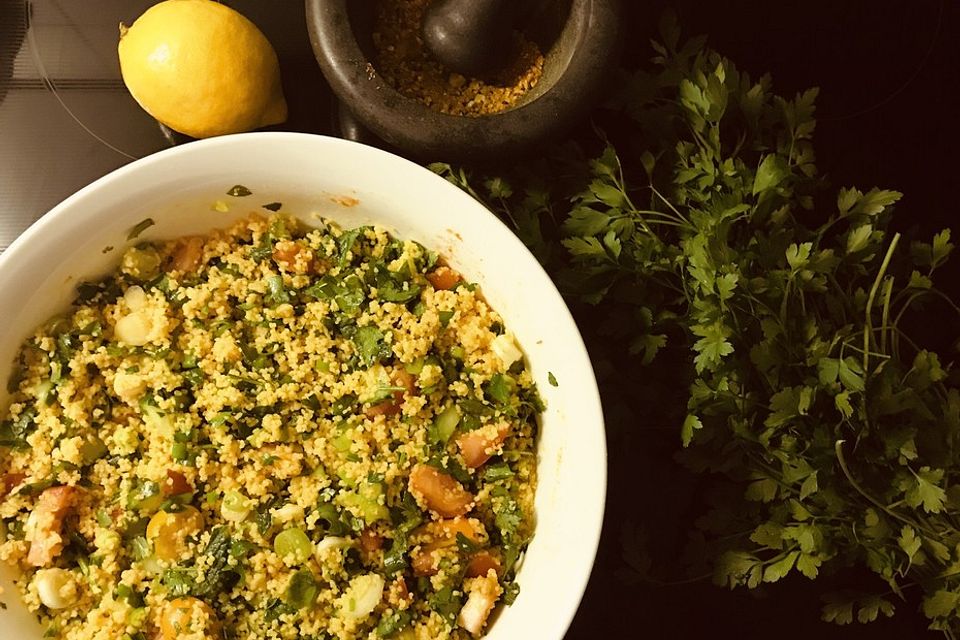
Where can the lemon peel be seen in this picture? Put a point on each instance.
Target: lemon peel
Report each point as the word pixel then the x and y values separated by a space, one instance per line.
pixel 201 68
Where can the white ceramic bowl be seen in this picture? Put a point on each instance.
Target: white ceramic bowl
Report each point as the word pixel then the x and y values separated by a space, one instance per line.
pixel 309 174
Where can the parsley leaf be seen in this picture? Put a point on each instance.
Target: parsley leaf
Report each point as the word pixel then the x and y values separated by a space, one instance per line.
pixel 704 243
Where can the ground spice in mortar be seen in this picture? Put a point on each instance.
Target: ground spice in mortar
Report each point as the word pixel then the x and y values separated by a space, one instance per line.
pixel 406 64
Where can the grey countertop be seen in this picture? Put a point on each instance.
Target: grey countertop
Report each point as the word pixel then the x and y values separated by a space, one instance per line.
pixel 66 118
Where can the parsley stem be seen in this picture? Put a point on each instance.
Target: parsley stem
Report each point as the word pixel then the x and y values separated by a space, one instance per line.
pixel 669 204
pixel 876 354
pixel 668 223
pixel 900 333
pixel 659 214
pixel 838 447
pixel 506 212
pixel 885 318
pixel 868 329
pixel 936 292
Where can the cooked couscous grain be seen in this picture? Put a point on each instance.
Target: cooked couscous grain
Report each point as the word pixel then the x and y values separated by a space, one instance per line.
pixel 270 432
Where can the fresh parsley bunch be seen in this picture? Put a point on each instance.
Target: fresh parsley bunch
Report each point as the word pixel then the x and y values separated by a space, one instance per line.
pixel 808 392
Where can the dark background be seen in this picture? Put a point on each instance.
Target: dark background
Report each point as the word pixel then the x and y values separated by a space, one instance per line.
pixel 889 73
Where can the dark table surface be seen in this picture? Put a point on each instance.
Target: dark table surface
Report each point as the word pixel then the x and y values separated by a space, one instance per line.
pixel 889 72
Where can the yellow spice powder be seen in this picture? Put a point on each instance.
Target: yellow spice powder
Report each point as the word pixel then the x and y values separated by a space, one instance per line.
pixel 404 61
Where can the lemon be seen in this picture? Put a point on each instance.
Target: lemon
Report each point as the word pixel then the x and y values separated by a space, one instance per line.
pixel 202 69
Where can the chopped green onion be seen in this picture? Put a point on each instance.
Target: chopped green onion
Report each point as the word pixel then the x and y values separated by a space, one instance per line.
pixel 342 442
pixel 146 496
pixel 103 518
pixel 444 425
pixel 235 506
pixel 136 617
pixel 92 450
pixel 293 543
pixel 415 367
pixel 141 263
pixel 498 471
pixel 179 452
pixel 367 499
pixel 362 596
pixel 43 392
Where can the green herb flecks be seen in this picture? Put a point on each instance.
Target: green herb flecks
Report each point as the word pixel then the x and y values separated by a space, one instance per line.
pixel 276 292
pixel 13 433
pixel 302 590
pixel 371 345
pixel 406 517
pixel 239 191
pixel 447 603
pixel 139 228
pixel 220 575
pixel 712 249
pixel 391 624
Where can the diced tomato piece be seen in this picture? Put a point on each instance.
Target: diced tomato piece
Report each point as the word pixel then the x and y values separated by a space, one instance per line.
pixel 186 257
pixel 58 500
pixel 175 484
pixel 441 492
pixel 403 378
pixel 443 278
pixel 292 256
pixel 370 541
pixel 183 615
pixel 10 482
pixel 52 507
pixel 402 591
pixel 481 562
pixel 385 408
pixel 168 532
pixel 423 561
pixel 447 530
pixel 479 445
pixel 443 535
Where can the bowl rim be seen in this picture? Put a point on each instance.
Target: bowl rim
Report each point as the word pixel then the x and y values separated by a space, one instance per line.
pixel 588 536
pixel 409 125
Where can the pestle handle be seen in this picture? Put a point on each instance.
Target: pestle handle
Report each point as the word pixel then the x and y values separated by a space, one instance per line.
pixel 470 37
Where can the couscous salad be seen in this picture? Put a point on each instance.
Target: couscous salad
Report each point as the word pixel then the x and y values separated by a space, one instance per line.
pixel 273 431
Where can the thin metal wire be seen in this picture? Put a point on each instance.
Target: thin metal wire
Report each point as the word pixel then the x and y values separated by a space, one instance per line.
pixel 908 82
pixel 45 78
